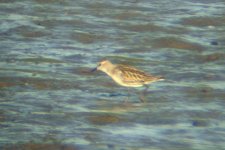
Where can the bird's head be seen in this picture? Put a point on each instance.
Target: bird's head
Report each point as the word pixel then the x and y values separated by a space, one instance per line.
pixel 102 65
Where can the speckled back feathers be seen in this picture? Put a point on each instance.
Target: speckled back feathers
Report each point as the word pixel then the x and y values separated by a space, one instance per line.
pixel 133 75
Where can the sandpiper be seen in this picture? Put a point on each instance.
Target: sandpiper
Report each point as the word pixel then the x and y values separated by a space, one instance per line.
pixel 125 75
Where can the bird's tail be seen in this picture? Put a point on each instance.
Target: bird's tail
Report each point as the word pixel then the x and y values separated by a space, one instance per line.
pixel 160 78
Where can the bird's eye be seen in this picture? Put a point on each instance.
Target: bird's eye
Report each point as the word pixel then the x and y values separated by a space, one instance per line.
pixel 99 64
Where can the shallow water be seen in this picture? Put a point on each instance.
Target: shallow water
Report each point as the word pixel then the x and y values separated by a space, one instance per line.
pixel 50 100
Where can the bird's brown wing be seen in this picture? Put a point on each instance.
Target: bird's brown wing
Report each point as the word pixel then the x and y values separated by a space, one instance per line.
pixel 131 74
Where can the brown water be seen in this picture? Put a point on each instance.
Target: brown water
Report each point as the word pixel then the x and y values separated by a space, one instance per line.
pixel 49 100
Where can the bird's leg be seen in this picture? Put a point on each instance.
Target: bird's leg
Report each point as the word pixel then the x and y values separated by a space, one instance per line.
pixel 143 93
pixel 128 93
pixel 146 88
pixel 128 96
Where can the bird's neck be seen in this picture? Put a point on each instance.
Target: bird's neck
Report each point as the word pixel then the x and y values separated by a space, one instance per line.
pixel 109 69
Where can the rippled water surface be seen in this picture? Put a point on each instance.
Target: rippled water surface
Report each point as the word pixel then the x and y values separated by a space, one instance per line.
pixel 49 100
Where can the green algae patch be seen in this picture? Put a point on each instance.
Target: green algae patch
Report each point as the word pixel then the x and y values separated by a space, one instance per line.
pixel 39 146
pixel 104 119
pixel 204 21
pixel 172 42
pixel 41 60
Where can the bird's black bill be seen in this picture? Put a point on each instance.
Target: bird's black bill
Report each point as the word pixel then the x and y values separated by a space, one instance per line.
pixel 93 70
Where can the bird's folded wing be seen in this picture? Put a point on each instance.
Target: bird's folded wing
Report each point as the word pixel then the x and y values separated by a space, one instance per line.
pixel 131 74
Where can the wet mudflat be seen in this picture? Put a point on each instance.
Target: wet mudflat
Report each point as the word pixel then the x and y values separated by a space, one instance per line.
pixel 49 100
